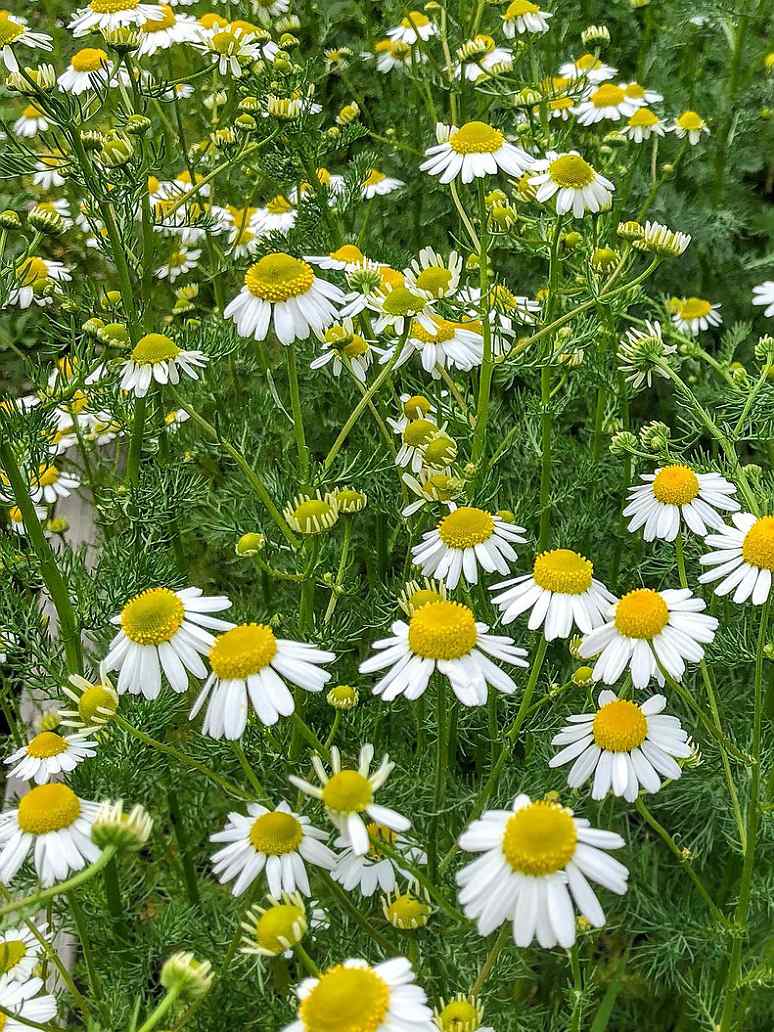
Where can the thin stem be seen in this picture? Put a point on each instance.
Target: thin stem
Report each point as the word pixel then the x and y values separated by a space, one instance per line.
pixel 487 365
pixel 441 764
pixel 178 827
pixel 163 1008
pixel 573 955
pixel 740 827
pixel 244 763
pixel 546 430
pixel 340 573
pixel 136 439
pixel 306 960
pixel 80 925
pixel 490 959
pixel 680 557
pixel 343 898
pixel 113 896
pixel 298 417
pixel 722 741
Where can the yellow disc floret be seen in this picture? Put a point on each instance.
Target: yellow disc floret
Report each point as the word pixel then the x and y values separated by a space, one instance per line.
pixel 112 6
pixel 563 571
pixel 466 527
pixel 620 726
pixel 347 253
pixel 571 171
pixel 644 118
pixel 402 301
pixel 95 698
pixel 540 838
pixel 691 121
pixel 9 30
pixel 418 431
pixel 416 406
pixel 275 834
pixel 278 277
pixel 442 630
pixel 48 808
pixel 518 8
pixel 608 95
pixel 154 348
pixel 347 792
pixel 346 999
pixel 11 952
pixel 435 280
pixel 242 651
pixel 280 926
pixel 476 138
pixel 459 1015
pixel 166 21
pixel 152 617
pixel 46 744
pixel 693 308
pixel 90 59
pixel 675 485
pixel 641 614
pixel 758 544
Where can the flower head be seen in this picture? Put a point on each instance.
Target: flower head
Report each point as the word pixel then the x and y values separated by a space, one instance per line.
pixel 471 151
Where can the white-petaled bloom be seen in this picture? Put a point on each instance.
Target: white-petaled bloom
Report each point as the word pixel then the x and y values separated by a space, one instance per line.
pixel 693 314
pixel 156 357
pixel 640 351
pixel 348 796
pixel 443 344
pixel 106 15
pixel 342 345
pixel 464 540
pixel 272 930
pixel 577 186
pixel 523 16
pixel 20 951
pixel 49 754
pixel 588 67
pixel 95 702
pixel 649 630
pixel 536 864
pixel 284 292
pixel 343 259
pixel 643 124
pixel 676 491
pixel 164 630
pixel 250 666
pixel 432 486
pixel 742 558
pixel 377 184
pixel 460 1014
pixel 373 870
pixel 395 306
pixel 22 1001
pixel 88 69
pixel 355 997
pixel 446 637
pixel 392 54
pixel 279 216
pixel 641 95
pixel 506 308
pixel 561 592
pixel 416 434
pixel 691 125
pixel 16 520
pixel 763 294
pixel 34 277
pixel 412 406
pixel 607 101
pixel 472 151
pixel 433 274
pixel 31 121
pixel 14 32
pixel 623 745
pixel 231 49
pixel 413 27
pixel 50 484
pixel 481 58
pixel 53 823
pixel 179 261
pixel 278 842
pixel 170 28
pixel 48 168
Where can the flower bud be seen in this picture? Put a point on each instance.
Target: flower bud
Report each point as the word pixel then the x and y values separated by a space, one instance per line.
pixel 250 544
pixel 137 125
pixel 343 697
pixel 9 219
pixel 46 221
pixel 116 151
pixel 112 827
pixel 184 974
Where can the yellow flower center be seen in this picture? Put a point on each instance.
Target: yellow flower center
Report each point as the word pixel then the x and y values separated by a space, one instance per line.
pixel 48 476
pixel 112 6
pixel 48 808
pixel 279 205
pixel 634 91
pixel 276 834
pixel 406 911
pixel 90 59
pixel 518 8
pixel 346 999
pixel 608 95
pixel 226 42
pixel 643 117
pixel 416 406
pixel 11 952
pixel 356 346
pixel 313 515
pixel 415 19
pixel 466 527
pixel 476 138
pixel 460 1015
pixel 620 726
pixel 31 271
pixel 676 485
pixel 166 21
pixel 9 30
pixel 347 253
pixel 561 103
pixel 347 792
pixel 563 571
pixel 401 301
pixel 694 308
pixel 758 544
pixel 96 697
pixel 211 20
pixel 435 280
pixel 154 348
pixel 242 651
pixel 641 614
pixel 152 617
pixel 46 744
pixel 278 277
pixel 423 597
pixel 277 927
pixel 571 171
pixel 540 838
pixel 32 112
pixel 373 177
pixel 440 451
pixel 442 630
pixel 418 431
pixel 690 120
pixel 390 277
pixel 588 63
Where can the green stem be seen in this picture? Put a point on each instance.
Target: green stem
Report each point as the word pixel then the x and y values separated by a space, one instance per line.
pixel 340 573
pixel 113 896
pixel 490 959
pixel 441 764
pixel 733 795
pixel 306 960
pixel 344 900
pixel 255 784
pixel 80 925
pixel 136 440
pixel 546 429
pixel 680 557
pixel 487 366
pixel 577 981
pixel 178 827
pixel 714 732
pixel 298 417
pixel 163 1008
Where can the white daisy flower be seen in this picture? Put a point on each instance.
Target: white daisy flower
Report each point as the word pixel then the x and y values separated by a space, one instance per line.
pixel 433 274
pixel 536 864
pixel 13 32
pixel 412 406
pixel 482 58
pixel 163 32
pixel 588 67
pixel 577 186
pixel 643 124
pixel 443 344
pixel 377 184
pixel 506 308
pixel 251 666
pixel 432 486
pixel 742 558
pixel 51 484
pixel 179 262
pixel 416 434
pixel 676 491
pixel 464 540
pixel 164 630
pixel 373 870
pixel 354 995
pixel 693 314
pixel 392 54
pixel 342 345
pixel 22 1000
pixel 49 754
pixel 231 49
pixel 561 592
pixel 413 27
pixel 472 151
pixel 156 357
pixel 33 276
pixel 31 121
pixel 523 16
pixel 395 306
pixel 283 290
pixel 343 259
pixel 638 351
pixel 446 637
pixel 649 630
pixel 623 745
pixel 106 15
pixel 53 823
pixel 689 124
pixel 48 168
pixel 16 520
pixel 95 703
pixel 20 951
pixel 278 842
pixel 763 294
pixel 88 68
pixel 607 101
pixel 348 795
pixel 641 95
pixel 279 216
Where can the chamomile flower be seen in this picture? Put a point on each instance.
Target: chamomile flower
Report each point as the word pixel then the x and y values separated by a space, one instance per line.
pixel 640 353
pixel 50 484
pixel 523 16
pixel 95 702
pixel 13 33
pixel 156 357
pixel 377 184
pixel 472 151
pixel 413 27
pixel 231 49
pixel 392 54
pixel 414 595
pixel 561 593
pixel 342 345
pixel 355 997
pixel 283 290
pixel 269 9
pixel 506 308
pixel 48 169
pixel 273 930
pixel 742 558
pixel 607 101
pixel 374 870
pixel 179 261
pixel 343 259
pixel 251 666
pixel 577 186
pixel 20 951
pixel 694 314
pixel 481 58
pixel 460 1014
pixel 534 871
pixel 166 30
pixel 643 124
pixel 412 406
pixel 107 15
pixel 432 486
pixel 446 637
pixel 49 754
pixel 279 216
pixel 312 514
pixel 691 125
pixel 348 796
pixel 676 491
pixel 53 823
pixel 588 67
pixel 21 1000
pixel 397 306
pixel 641 95
pixel 16 520
pixel 463 541
pixel 164 630
pixel 88 68
pixel 278 842
pixel 433 274
pixel 763 294
pixel 448 345
pixel 415 435
pixel 34 278
pixel 31 121
pixel 624 745
pixel 648 630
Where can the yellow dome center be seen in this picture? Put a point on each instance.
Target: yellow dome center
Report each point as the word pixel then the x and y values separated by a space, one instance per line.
pixel 279 926
pixel 588 63
pixel 641 614
pixel 373 177
pixel 418 431
pixel 31 271
pixel 415 19
pixel 694 308
pixel 154 348
pixel 466 527
pixel 11 952
pixel 313 515
pixel 152 617
pixel 620 726
pixel 435 280
pixel 459 1015
pixel 357 346
pixel 46 744
pixel 278 277
pixel 347 253
pixel 346 999
pixel 242 651
pixel 608 95
pixel 401 301
pixel 347 792
pixel 571 172
pixel 416 406
pixel 540 838
pixel 406 911
pixel 563 571
pixel 279 205
pixel 166 21
pixel 90 59
pixel 423 597
pixel 442 630
pixel 758 544
pixel 9 30
pixel 48 476
pixel 276 834
pixel 96 697
pixel 690 120
pixel 643 117
pixel 676 485
pixel 440 450
pixel 518 8
pixel 634 91
pixel 476 138
pixel 48 808
pixel 112 6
